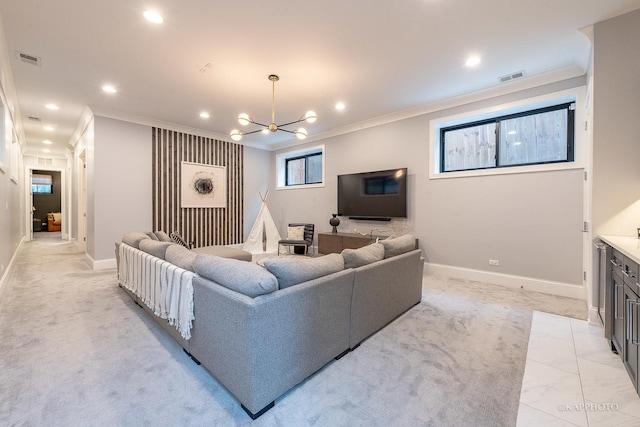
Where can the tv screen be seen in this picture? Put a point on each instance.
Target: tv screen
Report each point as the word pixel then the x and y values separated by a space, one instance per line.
pixel 379 195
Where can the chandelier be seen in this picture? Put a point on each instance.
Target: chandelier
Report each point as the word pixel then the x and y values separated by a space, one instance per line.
pixel 244 119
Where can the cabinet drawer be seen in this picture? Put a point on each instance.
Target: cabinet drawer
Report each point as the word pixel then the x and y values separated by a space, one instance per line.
pixel 617 260
pixel 630 274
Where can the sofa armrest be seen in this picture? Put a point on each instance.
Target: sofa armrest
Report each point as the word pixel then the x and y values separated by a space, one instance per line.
pixel 383 291
pixel 259 348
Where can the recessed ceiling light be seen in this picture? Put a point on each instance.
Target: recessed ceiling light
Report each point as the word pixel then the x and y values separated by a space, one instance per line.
pixel 46 141
pixel 45 150
pixel 49 128
pixel 472 61
pixel 153 16
pixel 109 89
pixel 204 115
pixel 340 106
pixel 52 107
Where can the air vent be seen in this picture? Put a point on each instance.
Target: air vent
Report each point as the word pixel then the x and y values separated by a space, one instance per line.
pixel 30 59
pixel 45 161
pixel 510 77
pixel 35 119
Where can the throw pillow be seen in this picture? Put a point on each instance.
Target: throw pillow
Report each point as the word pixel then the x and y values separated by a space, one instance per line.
pixel 152 235
pixel 177 238
pixel 291 271
pixel 133 238
pixel 354 258
pixel 398 245
pixel 155 248
pixel 295 233
pixel 240 276
pixel 180 256
pixel 163 237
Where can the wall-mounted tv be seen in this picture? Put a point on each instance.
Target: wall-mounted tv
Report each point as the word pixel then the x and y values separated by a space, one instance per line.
pixel 377 195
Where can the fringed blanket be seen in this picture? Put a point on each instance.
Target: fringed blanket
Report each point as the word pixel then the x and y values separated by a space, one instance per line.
pixel 166 289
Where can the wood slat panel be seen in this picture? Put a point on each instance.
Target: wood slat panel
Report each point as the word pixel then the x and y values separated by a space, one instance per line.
pixel 204 226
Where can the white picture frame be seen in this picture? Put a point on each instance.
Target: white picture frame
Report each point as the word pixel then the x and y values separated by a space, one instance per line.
pixel 203 186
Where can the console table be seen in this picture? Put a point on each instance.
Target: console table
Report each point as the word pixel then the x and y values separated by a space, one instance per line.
pixel 329 243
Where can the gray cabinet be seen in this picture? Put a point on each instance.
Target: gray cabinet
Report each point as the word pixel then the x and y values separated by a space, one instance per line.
pixel 623 290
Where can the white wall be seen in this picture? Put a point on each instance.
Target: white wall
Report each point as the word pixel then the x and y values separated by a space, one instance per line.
pixel 616 129
pixel 530 222
pixel 12 224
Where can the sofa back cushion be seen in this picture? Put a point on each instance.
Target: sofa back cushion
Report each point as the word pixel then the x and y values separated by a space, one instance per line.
pixel 180 256
pixel 133 238
pixel 398 245
pixel 241 276
pixel 151 235
pixel 354 258
pixel 155 248
pixel 294 270
pixel 163 237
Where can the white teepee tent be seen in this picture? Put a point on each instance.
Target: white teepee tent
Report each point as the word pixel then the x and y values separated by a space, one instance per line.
pixel 264 235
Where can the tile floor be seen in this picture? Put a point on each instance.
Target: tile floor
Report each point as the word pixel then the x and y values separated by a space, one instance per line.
pixel 571 378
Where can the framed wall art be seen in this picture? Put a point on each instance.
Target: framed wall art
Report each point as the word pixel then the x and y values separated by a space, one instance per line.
pixel 203 186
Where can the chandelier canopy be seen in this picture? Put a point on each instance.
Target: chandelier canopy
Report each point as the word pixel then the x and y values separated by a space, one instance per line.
pixel 244 119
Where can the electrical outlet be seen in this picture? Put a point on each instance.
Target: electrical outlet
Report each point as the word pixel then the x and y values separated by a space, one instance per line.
pixel 494 262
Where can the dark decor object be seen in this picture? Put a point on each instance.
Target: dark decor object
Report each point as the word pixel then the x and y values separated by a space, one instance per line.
pixel 335 222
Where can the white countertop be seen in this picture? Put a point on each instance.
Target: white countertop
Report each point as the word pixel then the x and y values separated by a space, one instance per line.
pixel 629 246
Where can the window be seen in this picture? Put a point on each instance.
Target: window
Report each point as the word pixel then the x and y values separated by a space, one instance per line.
pixel 304 168
pixel 540 136
pixel 41 184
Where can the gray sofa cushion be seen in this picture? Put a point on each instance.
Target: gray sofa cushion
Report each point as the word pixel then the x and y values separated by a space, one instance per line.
pixel 398 245
pixel 291 271
pixel 240 276
pixel 163 237
pixel 151 235
pixel 155 248
pixel 180 256
pixel 354 258
pixel 224 252
pixel 133 238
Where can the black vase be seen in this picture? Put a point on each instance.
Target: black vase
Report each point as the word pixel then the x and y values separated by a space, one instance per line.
pixel 335 222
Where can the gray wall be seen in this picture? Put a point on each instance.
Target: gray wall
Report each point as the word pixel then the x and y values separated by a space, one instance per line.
pixel 616 126
pixel 530 222
pixel 119 184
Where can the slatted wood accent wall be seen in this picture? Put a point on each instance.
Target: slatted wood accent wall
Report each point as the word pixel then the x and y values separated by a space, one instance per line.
pixel 204 226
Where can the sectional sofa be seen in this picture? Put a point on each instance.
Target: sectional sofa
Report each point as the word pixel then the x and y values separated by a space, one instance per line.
pixel 261 330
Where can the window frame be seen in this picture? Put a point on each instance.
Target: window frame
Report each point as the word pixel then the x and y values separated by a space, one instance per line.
pixel 306 158
pixel 569 106
pixel 575 95
pixel 281 167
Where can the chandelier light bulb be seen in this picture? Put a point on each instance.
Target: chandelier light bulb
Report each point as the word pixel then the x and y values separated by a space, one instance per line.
pixel 301 133
pixel 244 119
pixel 236 135
pixel 310 116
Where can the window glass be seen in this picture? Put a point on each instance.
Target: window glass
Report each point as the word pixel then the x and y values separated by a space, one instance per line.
pixel 538 136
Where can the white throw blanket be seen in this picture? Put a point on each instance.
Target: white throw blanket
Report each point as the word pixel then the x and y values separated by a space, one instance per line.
pixel 166 289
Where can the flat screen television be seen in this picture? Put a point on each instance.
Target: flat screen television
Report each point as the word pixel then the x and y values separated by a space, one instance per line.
pixel 377 195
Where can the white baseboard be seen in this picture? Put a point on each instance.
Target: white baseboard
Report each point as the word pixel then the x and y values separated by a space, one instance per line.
pixel 103 264
pixel 5 275
pixel 510 281
pixel 594 319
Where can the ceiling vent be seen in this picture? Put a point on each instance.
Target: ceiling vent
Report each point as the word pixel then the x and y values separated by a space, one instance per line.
pixel 35 119
pixel 45 161
pixel 512 76
pixel 30 59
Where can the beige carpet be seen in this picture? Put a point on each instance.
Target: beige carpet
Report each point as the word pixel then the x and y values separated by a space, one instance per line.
pixel 75 350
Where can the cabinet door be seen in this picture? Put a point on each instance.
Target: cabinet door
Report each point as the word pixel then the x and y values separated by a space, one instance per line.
pixel 618 333
pixel 630 357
